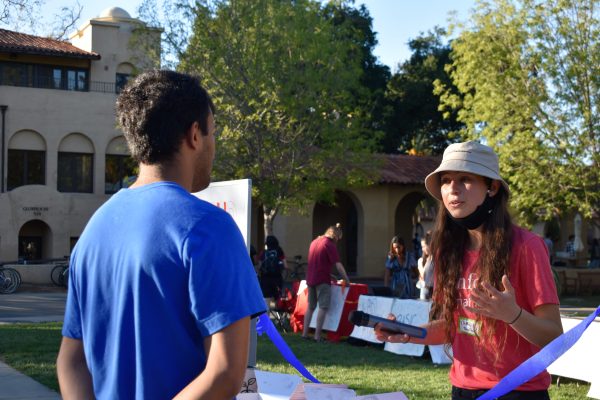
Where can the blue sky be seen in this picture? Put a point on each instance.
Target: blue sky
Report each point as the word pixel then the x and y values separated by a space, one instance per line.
pixel 395 21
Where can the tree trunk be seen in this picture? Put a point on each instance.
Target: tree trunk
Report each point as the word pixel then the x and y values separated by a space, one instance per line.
pixel 269 215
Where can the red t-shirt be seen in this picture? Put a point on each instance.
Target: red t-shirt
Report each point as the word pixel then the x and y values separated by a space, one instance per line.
pixel 531 277
pixel 322 255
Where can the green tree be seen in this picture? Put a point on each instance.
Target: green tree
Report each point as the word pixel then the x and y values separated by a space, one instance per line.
pixel 417 126
pixel 357 26
pixel 529 73
pixel 283 80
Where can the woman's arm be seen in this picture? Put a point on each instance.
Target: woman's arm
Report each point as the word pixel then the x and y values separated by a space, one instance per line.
pixel 435 334
pixel 540 327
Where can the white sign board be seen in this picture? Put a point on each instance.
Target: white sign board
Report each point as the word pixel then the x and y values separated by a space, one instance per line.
pixel 411 312
pixel 581 361
pixel 235 197
pixel 438 354
pixel 374 305
pixel 336 306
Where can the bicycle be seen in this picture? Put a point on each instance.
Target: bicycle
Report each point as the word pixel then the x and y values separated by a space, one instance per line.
pixel 10 280
pixel 297 271
pixel 60 275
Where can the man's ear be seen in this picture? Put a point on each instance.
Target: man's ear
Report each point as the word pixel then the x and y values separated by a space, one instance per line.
pixel 192 136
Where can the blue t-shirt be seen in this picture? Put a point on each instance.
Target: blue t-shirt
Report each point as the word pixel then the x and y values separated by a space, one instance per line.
pixel 155 271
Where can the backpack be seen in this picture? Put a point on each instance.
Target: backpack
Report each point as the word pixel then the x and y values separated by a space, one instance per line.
pixel 270 263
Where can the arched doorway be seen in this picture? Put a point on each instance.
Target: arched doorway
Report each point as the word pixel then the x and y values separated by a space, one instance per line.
pixel 35 241
pixel 345 212
pixel 411 217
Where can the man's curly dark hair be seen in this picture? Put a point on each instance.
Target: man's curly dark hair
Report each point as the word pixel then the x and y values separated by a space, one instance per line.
pixel 157 109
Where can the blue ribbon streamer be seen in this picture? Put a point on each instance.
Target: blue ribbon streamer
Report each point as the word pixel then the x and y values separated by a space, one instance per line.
pixel 265 325
pixel 540 361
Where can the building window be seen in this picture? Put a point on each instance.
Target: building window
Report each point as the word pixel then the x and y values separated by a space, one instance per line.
pixel 120 172
pixel 121 81
pixel 13 74
pixel 43 76
pixel 76 80
pixel 26 167
pixel 75 172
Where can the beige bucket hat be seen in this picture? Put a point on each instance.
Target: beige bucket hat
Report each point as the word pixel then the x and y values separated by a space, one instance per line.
pixel 472 157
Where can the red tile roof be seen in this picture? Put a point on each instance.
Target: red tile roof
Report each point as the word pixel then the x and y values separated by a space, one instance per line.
pixel 405 169
pixel 15 42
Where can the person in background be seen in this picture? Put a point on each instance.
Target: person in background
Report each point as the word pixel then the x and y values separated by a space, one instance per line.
pixel 570 246
pixel 271 263
pixel 322 257
pixel 494 301
pixel 425 266
pixel 398 268
pixel 161 288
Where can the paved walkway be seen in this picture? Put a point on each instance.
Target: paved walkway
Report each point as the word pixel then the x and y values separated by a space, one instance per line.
pixel 16 386
pixel 30 306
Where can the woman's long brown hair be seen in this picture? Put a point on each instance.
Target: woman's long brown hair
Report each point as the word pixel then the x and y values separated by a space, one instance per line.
pixel 448 247
pixel 400 254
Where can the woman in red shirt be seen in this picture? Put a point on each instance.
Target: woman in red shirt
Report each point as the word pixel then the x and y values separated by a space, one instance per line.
pixel 494 302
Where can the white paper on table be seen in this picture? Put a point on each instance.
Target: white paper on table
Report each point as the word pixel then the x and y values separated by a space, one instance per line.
pixel 299 392
pixel 328 393
pixel 275 386
pixel 383 396
pixel 248 396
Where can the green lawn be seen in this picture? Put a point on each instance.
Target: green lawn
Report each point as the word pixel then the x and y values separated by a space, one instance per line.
pixel 32 349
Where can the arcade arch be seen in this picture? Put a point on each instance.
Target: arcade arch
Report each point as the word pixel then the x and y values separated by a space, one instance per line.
pixel 415 213
pixel 347 211
pixel 35 240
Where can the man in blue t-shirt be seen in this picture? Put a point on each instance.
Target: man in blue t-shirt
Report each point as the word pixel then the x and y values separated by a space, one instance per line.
pixel 161 288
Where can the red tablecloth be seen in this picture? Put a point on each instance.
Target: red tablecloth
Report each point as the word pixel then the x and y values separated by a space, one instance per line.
pixel 345 327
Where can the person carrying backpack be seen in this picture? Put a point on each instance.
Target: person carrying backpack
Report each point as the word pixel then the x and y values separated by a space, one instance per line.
pixel 271 263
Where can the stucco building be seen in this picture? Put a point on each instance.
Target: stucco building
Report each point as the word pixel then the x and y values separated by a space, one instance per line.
pixel 62 155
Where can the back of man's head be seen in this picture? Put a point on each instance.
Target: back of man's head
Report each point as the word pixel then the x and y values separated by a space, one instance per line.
pixel 334 231
pixel 156 110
